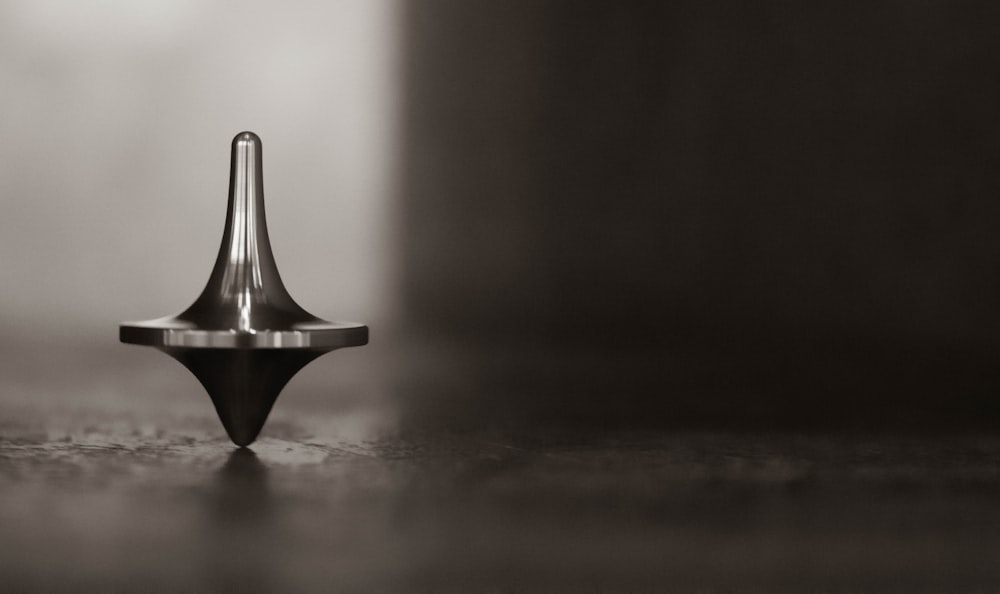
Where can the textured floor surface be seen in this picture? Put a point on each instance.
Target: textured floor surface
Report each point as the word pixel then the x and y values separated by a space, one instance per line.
pixel 106 487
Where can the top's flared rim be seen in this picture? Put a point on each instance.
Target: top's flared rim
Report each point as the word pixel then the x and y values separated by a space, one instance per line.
pixel 173 333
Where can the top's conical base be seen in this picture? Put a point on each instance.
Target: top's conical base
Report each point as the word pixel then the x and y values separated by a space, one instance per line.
pixel 243 383
pixel 244 337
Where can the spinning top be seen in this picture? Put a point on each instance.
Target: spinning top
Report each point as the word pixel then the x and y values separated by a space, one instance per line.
pixel 244 337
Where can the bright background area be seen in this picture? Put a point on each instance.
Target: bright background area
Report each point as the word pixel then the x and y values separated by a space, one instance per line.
pixel 115 123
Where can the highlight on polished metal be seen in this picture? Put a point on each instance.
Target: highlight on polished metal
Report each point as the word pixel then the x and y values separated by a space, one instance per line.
pixel 244 338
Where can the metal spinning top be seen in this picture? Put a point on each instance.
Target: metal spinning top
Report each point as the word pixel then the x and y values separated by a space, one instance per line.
pixel 244 337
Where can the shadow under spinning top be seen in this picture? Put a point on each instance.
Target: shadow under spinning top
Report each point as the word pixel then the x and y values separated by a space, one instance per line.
pixel 244 337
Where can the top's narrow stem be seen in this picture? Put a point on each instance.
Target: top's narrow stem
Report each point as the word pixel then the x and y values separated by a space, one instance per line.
pixel 245 249
pixel 245 284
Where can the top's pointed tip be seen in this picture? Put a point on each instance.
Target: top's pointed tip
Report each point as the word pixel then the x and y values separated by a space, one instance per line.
pixel 246 138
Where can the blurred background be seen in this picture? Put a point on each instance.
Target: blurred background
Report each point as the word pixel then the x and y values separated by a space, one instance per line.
pixel 661 294
pixel 700 213
pixel 594 213
pixel 117 123
pixel 114 173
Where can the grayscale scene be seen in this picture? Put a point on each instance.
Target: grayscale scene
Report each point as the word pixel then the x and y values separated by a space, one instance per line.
pixel 550 296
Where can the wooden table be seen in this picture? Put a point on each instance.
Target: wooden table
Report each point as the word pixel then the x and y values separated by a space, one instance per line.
pixel 115 476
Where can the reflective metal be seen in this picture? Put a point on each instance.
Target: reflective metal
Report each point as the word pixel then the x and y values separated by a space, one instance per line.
pixel 244 337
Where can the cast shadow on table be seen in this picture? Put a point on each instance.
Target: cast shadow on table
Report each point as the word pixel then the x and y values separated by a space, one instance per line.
pixel 241 493
pixel 240 528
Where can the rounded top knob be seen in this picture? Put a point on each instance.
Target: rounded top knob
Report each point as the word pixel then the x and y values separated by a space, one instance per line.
pixel 246 139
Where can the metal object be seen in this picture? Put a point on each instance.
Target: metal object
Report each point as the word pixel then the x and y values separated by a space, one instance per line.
pixel 244 337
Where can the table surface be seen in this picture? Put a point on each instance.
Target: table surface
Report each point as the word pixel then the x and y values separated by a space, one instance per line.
pixel 115 476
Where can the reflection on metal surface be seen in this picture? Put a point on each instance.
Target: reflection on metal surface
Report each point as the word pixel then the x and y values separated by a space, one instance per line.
pixel 245 336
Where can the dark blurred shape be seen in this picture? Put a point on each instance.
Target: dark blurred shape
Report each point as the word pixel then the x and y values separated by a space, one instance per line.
pixel 241 531
pixel 241 496
pixel 652 214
